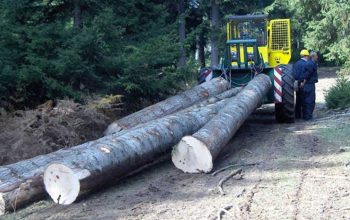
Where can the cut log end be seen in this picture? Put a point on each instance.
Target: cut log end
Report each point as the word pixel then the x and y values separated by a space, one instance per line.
pixel 61 183
pixel 112 128
pixel 192 156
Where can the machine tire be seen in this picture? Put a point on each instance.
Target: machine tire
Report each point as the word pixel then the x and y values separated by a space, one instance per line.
pixel 285 111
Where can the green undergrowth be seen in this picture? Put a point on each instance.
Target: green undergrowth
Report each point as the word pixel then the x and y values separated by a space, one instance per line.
pixel 338 97
pixel 336 132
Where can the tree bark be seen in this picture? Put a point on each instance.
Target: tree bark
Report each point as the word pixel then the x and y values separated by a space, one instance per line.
pixel 170 105
pixel 77 20
pixel 201 51
pixel 214 33
pixel 196 153
pixel 224 95
pixel 22 182
pixel 182 34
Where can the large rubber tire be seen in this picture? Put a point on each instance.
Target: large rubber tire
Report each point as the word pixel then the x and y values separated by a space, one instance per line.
pixel 285 111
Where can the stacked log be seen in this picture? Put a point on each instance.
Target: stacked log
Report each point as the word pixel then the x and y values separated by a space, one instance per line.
pixel 22 182
pixel 196 153
pixel 86 169
pixel 135 142
pixel 170 105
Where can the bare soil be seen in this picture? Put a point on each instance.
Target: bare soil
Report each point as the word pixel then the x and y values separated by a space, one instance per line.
pixel 302 172
pixel 25 134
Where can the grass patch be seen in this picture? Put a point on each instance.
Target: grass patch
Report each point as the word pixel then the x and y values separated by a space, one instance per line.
pixel 336 133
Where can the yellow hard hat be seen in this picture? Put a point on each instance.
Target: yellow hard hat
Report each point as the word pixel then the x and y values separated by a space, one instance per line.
pixel 304 53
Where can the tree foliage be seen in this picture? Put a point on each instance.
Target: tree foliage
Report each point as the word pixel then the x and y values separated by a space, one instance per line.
pixel 338 97
pixel 56 48
pixel 126 47
pixel 329 31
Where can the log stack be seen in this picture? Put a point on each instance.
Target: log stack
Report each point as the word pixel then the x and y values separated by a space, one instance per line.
pixel 131 143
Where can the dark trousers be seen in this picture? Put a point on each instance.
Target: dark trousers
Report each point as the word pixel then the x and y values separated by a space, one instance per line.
pixel 305 101
pixel 309 99
pixel 298 103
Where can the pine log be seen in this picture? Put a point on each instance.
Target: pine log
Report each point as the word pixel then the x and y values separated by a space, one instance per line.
pixel 224 95
pixel 170 105
pixel 196 153
pixel 22 182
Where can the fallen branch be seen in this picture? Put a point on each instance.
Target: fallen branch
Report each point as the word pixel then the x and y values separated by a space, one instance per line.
pixel 330 177
pixel 235 165
pixel 301 160
pixel 233 173
pixel 225 210
pixel 345 208
pixel 347 164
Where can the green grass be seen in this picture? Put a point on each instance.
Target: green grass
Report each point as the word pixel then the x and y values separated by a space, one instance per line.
pixel 336 133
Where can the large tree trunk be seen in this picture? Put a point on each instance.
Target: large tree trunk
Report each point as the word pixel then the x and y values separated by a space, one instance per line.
pixel 170 105
pixel 196 153
pixel 201 51
pixel 107 159
pixel 22 183
pixel 77 20
pixel 182 33
pixel 214 33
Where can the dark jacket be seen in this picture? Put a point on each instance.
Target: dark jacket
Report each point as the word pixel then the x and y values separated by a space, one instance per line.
pixel 312 76
pixel 301 70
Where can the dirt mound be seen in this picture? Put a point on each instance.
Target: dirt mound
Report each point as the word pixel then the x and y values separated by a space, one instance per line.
pixel 25 134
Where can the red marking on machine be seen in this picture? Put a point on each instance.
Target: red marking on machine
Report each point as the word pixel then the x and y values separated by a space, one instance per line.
pixel 278 84
pixel 208 75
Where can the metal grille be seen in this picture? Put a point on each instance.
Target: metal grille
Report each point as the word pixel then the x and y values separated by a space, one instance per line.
pixel 280 38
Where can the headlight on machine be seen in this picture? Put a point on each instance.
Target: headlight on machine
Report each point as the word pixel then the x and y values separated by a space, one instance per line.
pixel 250 56
pixel 234 56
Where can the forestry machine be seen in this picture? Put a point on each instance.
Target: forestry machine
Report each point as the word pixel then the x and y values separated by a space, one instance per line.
pixel 257 45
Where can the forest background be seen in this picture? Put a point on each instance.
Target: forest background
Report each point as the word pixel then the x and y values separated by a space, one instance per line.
pixel 55 49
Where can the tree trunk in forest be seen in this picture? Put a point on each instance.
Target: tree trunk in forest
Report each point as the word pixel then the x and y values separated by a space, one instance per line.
pixel 77 20
pixel 170 105
pixel 87 169
pixel 214 33
pixel 182 33
pixel 196 153
pixel 22 182
pixel 201 51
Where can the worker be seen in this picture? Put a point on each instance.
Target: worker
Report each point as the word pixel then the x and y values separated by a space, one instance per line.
pixel 301 71
pixel 309 90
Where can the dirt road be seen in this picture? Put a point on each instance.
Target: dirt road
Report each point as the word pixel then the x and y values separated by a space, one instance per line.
pixel 301 173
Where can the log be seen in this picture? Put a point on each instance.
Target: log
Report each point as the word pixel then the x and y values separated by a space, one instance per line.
pixel 22 182
pixel 224 95
pixel 196 153
pixel 170 105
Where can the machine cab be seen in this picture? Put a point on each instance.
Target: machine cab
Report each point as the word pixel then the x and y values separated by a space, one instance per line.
pixel 253 40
